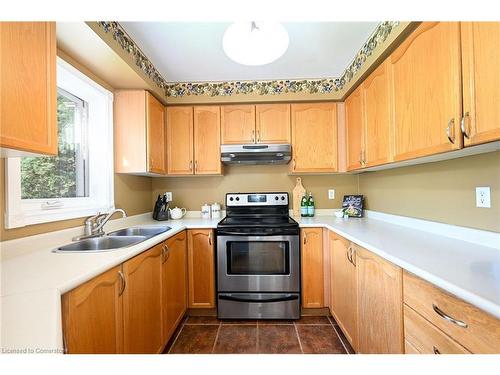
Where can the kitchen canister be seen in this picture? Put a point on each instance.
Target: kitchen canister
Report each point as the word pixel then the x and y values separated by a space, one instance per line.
pixel 205 211
pixel 215 210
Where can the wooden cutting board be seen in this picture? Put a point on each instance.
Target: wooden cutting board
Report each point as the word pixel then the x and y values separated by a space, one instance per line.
pixel 297 194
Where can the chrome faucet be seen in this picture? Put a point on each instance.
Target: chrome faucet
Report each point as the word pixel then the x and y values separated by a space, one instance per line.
pixel 93 225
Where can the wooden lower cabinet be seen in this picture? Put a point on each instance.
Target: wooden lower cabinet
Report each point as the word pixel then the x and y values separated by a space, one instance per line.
pixel 201 269
pixel 93 316
pixel 312 267
pixel 472 328
pixel 343 290
pixel 422 337
pixel 174 283
pixel 142 307
pixel 380 304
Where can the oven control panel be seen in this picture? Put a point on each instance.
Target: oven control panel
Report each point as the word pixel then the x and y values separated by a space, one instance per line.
pixel 256 199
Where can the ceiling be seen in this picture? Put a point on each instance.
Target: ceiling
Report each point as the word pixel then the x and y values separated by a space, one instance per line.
pixel 191 52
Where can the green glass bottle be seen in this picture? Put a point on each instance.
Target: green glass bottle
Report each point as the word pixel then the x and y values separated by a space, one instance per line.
pixel 310 205
pixel 303 206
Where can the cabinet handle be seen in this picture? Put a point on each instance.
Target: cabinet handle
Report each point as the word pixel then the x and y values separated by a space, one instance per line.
pixel 294 164
pixel 360 157
pixel 451 137
pixel 123 282
pixel 210 238
pixel 190 165
pixel 348 253
pixel 435 350
pixel 353 252
pixel 462 125
pixel 448 318
pixel 253 136
pixel 305 238
pixel 165 253
pixel 196 165
pixel 258 136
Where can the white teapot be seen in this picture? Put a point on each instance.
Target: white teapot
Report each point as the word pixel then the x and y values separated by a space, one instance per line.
pixel 177 213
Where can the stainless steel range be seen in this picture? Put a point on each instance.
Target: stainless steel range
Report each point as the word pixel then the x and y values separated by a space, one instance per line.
pixel 258 258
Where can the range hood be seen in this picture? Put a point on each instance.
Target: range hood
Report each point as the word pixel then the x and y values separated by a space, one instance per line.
pixel 251 154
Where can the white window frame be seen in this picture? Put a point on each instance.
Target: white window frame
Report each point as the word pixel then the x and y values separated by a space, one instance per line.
pixel 22 212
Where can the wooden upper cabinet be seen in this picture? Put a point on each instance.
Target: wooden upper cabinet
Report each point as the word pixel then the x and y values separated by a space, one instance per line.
pixel 344 300
pixel 142 307
pixel 139 133
pixel 28 115
pixel 272 123
pixel 314 137
pixel 355 128
pixel 377 117
pixel 174 283
pixel 155 120
pixel 425 70
pixel 380 304
pixel 312 267
pixel 92 315
pixel 180 140
pixel 481 81
pixel 237 124
pixel 207 140
pixel 201 268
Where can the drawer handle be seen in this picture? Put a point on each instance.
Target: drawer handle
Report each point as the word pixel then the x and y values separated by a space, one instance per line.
pixel 449 318
pixel 435 350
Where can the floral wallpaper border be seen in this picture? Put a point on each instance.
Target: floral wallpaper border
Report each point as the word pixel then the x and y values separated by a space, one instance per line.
pixel 270 87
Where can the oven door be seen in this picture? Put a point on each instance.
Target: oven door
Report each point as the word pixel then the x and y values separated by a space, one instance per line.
pixel 258 263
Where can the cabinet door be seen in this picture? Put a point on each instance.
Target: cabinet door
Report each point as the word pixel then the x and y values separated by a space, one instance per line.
pixel 273 123
pixel 481 81
pixel 201 268
pixel 155 119
pixel 312 267
pixel 92 315
pixel 355 128
pixel 237 124
pixel 425 70
pixel 28 116
pixel 142 323
pixel 174 283
pixel 343 288
pixel 180 140
pixel 314 137
pixel 380 304
pixel 207 140
pixel 377 116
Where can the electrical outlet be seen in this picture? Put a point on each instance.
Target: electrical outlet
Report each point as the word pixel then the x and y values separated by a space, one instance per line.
pixel 168 194
pixel 483 197
pixel 331 194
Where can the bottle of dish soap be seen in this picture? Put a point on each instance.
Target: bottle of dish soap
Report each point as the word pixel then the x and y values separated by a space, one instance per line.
pixel 310 205
pixel 303 206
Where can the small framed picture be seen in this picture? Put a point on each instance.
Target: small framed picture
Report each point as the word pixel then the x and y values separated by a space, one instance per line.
pixel 353 205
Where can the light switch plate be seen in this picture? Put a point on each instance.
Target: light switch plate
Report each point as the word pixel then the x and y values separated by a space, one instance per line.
pixel 331 194
pixel 483 197
pixel 169 196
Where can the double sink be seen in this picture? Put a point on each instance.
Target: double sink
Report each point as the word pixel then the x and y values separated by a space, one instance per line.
pixel 114 240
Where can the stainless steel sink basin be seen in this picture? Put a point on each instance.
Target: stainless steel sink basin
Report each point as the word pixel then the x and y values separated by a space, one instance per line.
pixel 101 244
pixel 146 231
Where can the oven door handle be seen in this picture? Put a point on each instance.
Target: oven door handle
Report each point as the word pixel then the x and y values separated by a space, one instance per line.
pixel 289 297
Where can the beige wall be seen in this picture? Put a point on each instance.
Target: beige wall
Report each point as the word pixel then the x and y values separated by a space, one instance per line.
pixel 443 191
pixel 192 192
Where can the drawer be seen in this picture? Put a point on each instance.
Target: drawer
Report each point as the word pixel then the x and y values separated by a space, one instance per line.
pixel 476 330
pixel 424 338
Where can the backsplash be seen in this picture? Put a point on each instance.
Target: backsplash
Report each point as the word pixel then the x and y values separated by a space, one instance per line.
pixel 192 192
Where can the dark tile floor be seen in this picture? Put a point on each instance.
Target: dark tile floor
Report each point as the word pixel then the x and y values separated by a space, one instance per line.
pixel 309 335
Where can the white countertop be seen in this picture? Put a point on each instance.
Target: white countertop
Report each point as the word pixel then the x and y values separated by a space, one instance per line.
pixel 33 278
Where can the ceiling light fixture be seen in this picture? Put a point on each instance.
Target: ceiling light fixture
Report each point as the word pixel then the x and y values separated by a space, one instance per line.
pixel 255 43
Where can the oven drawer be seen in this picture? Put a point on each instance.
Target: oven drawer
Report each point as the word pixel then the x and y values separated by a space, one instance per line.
pixel 258 305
